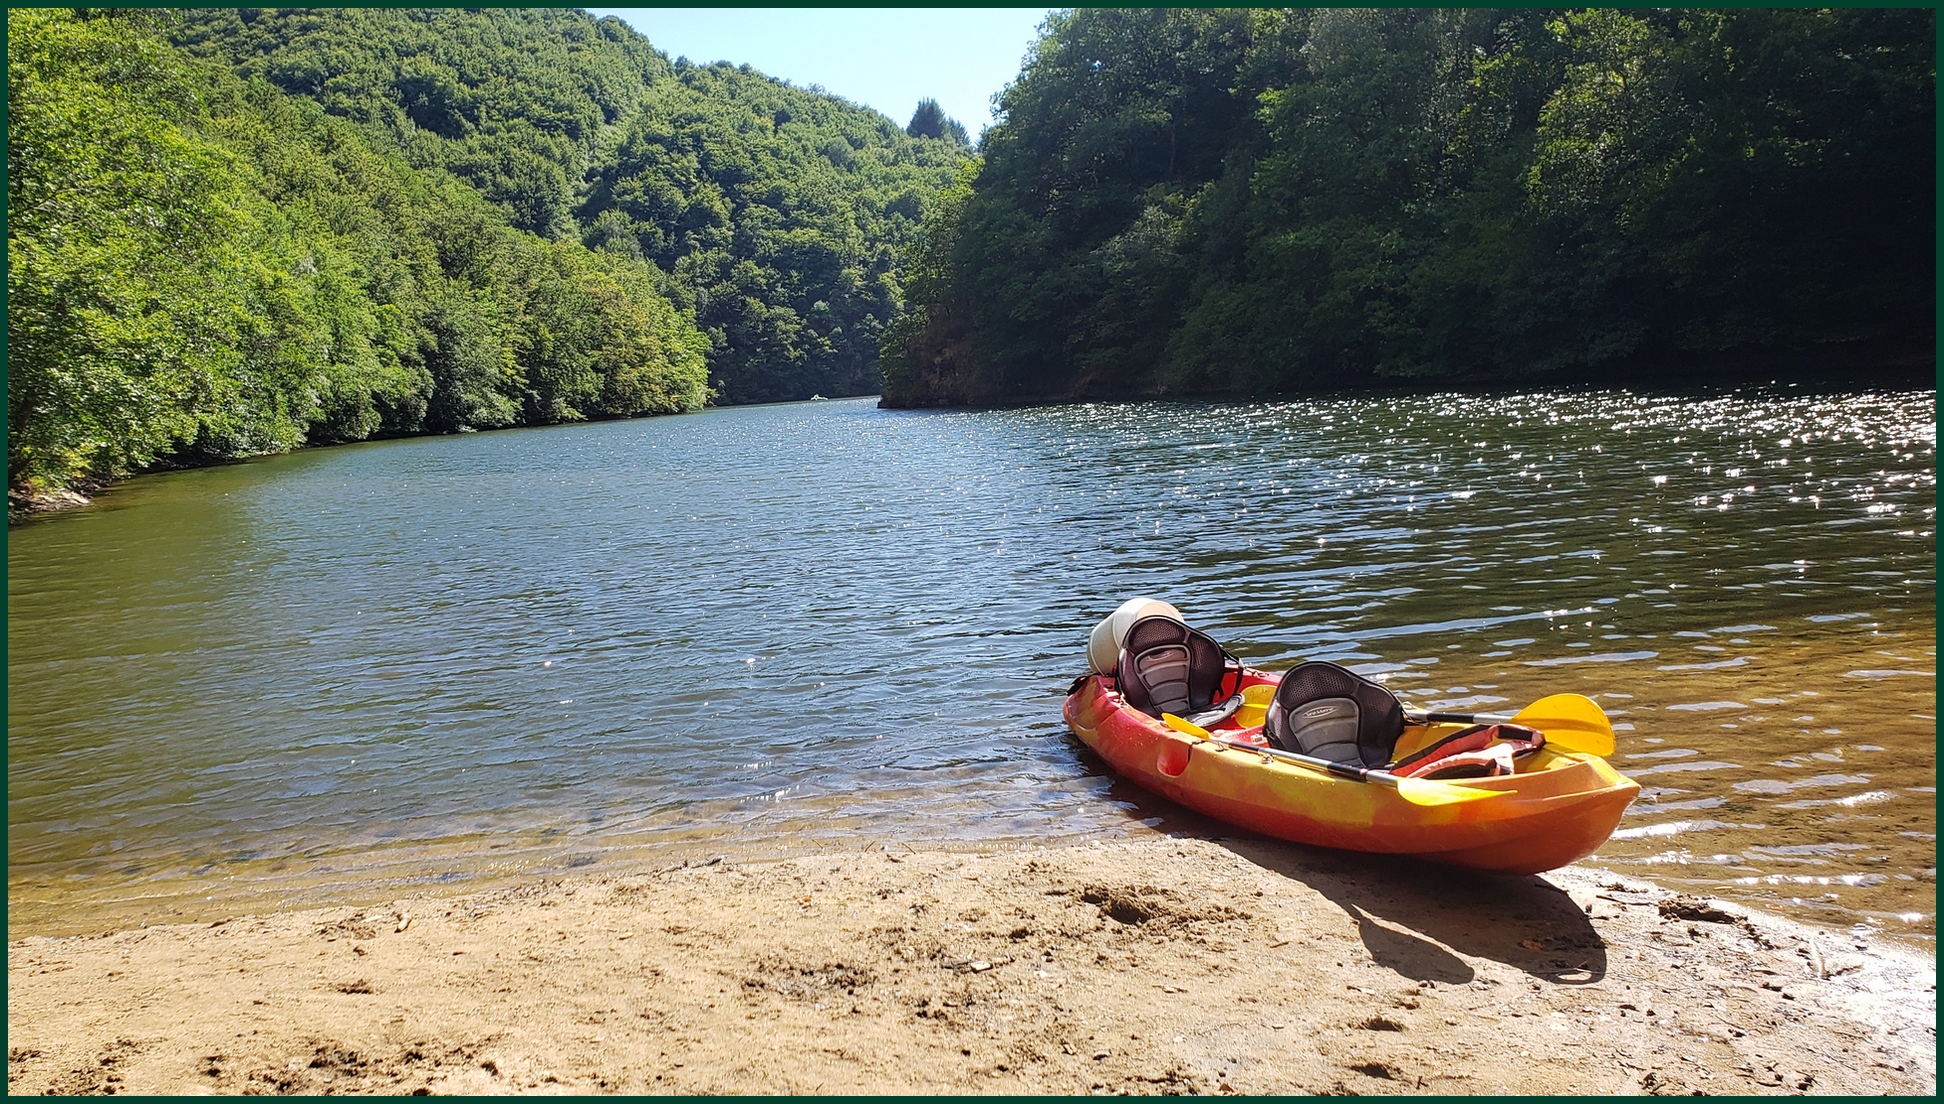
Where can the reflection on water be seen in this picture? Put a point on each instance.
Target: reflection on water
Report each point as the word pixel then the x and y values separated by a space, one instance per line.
pixel 491 655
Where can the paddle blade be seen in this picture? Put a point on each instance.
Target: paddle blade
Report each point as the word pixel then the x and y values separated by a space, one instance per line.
pixel 1182 724
pixel 1255 704
pixel 1572 721
pixel 1425 791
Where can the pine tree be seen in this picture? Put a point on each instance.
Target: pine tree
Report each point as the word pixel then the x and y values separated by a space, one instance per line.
pixel 928 121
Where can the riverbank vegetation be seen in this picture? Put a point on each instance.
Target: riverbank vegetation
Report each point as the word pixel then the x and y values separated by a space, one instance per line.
pixel 777 213
pixel 1249 201
pixel 240 231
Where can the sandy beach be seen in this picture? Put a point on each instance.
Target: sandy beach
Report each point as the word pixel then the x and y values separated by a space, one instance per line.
pixel 1162 965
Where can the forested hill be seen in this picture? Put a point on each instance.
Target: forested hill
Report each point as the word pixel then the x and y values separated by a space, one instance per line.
pixel 1251 201
pixel 240 231
pixel 780 211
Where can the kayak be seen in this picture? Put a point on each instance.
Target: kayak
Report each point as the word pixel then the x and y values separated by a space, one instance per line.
pixel 1558 807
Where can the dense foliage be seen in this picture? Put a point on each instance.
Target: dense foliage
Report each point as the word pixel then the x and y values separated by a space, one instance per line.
pixel 779 212
pixel 236 232
pixel 200 268
pixel 1185 201
pixel 514 101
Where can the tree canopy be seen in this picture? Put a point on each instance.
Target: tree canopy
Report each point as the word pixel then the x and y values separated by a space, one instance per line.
pixel 779 212
pixel 240 231
pixel 200 267
pixel 1182 201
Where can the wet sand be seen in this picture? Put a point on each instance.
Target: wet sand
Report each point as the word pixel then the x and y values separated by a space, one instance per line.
pixel 1161 965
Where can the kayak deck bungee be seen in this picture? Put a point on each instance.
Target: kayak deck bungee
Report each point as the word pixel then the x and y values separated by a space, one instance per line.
pixel 1558 807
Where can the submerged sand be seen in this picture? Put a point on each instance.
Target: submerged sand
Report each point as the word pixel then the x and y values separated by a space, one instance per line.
pixel 1163 965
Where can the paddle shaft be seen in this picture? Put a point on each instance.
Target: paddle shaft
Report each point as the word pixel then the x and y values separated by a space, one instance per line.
pixel 1458 718
pixel 1417 791
pixel 1341 770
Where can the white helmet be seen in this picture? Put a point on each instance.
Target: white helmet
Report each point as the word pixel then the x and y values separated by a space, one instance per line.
pixel 1104 644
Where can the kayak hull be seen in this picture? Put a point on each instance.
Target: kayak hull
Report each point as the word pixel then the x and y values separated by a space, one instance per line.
pixel 1559 807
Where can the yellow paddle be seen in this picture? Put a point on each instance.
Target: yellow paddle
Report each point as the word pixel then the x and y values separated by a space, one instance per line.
pixel 1417 791
pixel 1571 721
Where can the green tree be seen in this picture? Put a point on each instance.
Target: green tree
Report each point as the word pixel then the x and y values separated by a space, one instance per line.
pixel 203 267
pixel 121 301
pixel 930 121
pixel 578 128
pixel 1251 201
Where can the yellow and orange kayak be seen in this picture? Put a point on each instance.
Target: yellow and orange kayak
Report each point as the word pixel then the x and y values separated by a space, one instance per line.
pixel 1559 807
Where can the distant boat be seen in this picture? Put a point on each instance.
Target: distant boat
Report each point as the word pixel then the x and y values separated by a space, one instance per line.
pixel 818 398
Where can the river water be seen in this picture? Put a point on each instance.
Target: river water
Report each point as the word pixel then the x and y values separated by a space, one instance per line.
pixel 351 672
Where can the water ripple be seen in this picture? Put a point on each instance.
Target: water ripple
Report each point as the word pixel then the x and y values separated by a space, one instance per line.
pixel 411 661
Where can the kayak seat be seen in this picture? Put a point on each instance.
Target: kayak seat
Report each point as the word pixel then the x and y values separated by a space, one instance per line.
pixel 1167 667
pixel 1323 710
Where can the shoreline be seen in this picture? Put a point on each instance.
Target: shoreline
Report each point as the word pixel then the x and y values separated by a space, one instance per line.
pixel 27 503
pixel 1892 374
pixel 1164 964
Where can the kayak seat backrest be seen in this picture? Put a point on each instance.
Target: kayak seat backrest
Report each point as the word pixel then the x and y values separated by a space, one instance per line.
pixel 1167 667
pixel 1322 710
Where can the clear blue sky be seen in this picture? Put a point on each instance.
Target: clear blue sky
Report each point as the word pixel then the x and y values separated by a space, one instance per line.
pixel 884 58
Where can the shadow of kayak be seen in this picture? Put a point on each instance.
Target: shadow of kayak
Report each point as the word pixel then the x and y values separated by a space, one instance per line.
pixel 1413 914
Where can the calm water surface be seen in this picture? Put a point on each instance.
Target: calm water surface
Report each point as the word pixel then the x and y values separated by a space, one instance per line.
pixel 349 672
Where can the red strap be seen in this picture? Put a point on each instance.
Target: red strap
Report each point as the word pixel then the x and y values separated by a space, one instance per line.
pixel 1468 742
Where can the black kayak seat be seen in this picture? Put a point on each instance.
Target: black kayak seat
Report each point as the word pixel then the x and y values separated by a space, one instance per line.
pixel 1167 667
pixel 1326 711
